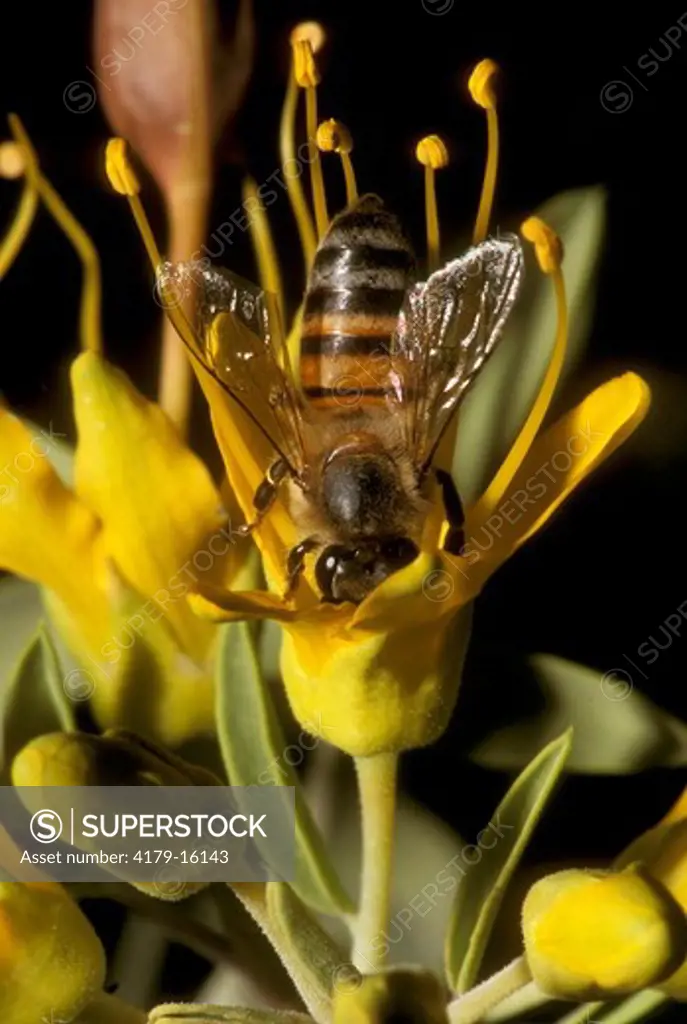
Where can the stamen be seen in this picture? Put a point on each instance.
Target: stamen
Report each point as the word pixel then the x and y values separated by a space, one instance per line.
pixel 432 154
pixel 482 91
pixel 549 252
pixel 263 243
pixel 334 137
pixel 294 188
pixel 90 330
pixel 308 78
pixel 123 179
pixel 13 165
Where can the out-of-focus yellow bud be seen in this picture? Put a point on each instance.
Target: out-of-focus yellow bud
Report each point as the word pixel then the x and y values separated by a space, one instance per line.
pixel 664 853
pixel 415 995
pixel 591 935
pixel 114 759
pixel 51 961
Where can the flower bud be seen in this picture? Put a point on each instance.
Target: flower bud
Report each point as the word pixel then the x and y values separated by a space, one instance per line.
pixel 591 935
pixel 665 858
pixel 51 962
pixel 414 995
pixel 114 759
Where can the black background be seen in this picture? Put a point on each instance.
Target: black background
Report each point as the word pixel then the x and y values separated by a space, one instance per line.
pixel 609 569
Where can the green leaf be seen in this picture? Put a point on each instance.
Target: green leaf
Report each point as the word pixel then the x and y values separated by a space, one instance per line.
pixel 502 397
pixel 35 702
pixel 200 1013
pixel 636 1008
pixel 617 729
pixel 482 886
pixel 254 752
pixel 21 611
pixel 314 961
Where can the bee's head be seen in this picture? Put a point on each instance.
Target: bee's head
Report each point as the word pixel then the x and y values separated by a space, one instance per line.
pixel 350 573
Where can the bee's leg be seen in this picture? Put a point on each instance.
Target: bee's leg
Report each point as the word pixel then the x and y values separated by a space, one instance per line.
pixel 295 563
pixel 453 506
pixel 264 497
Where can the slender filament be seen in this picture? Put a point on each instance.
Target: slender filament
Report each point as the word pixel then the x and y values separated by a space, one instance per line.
pixel 432 219
pixel 316 177
pixel 263 243
pixel 18 231
pixel 497 488
pixel 90 329
pixel 490 174
pixel 294 188
pixel 349 176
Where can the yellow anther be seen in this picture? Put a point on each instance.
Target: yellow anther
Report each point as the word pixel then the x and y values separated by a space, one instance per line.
pixel 119 171
pixel 548 247
pixel 432 152
pixel 311 32
pixel 304 64
pixel 334 137
pixel 481 84
pixel 12 160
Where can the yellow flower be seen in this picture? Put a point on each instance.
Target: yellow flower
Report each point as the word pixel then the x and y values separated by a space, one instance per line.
pixel 117 552
pixel 52 964
pixel 383 675
pixel 591 935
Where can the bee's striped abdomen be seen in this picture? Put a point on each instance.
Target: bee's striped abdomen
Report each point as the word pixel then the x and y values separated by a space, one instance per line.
pixel 361 272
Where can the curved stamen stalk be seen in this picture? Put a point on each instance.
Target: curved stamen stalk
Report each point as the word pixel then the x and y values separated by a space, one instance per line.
pixel 263 243
pixel 90 328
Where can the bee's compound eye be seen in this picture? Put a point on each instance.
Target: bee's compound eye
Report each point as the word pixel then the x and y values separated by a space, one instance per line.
pixel 399 551
pixel 328 567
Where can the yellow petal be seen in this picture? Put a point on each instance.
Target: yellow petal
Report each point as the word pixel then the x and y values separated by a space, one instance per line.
pixel 590 935
pixel 46 534
pixel 219 605
pixel 156 498
pixel 558 461
pixel 370 692
pixel 51 962
pixel 247 455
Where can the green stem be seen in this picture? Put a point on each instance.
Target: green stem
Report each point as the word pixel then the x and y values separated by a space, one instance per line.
pixel 239 944
pixel 377 786
pixel 476 1004
pixel 583 1014
pixel 253 896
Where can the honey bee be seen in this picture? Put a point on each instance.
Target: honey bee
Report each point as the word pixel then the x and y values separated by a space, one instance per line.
pixel 384 364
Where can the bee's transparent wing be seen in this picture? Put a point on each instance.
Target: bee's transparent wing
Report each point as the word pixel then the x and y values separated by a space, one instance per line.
pixel 241 345
pixel 447 328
